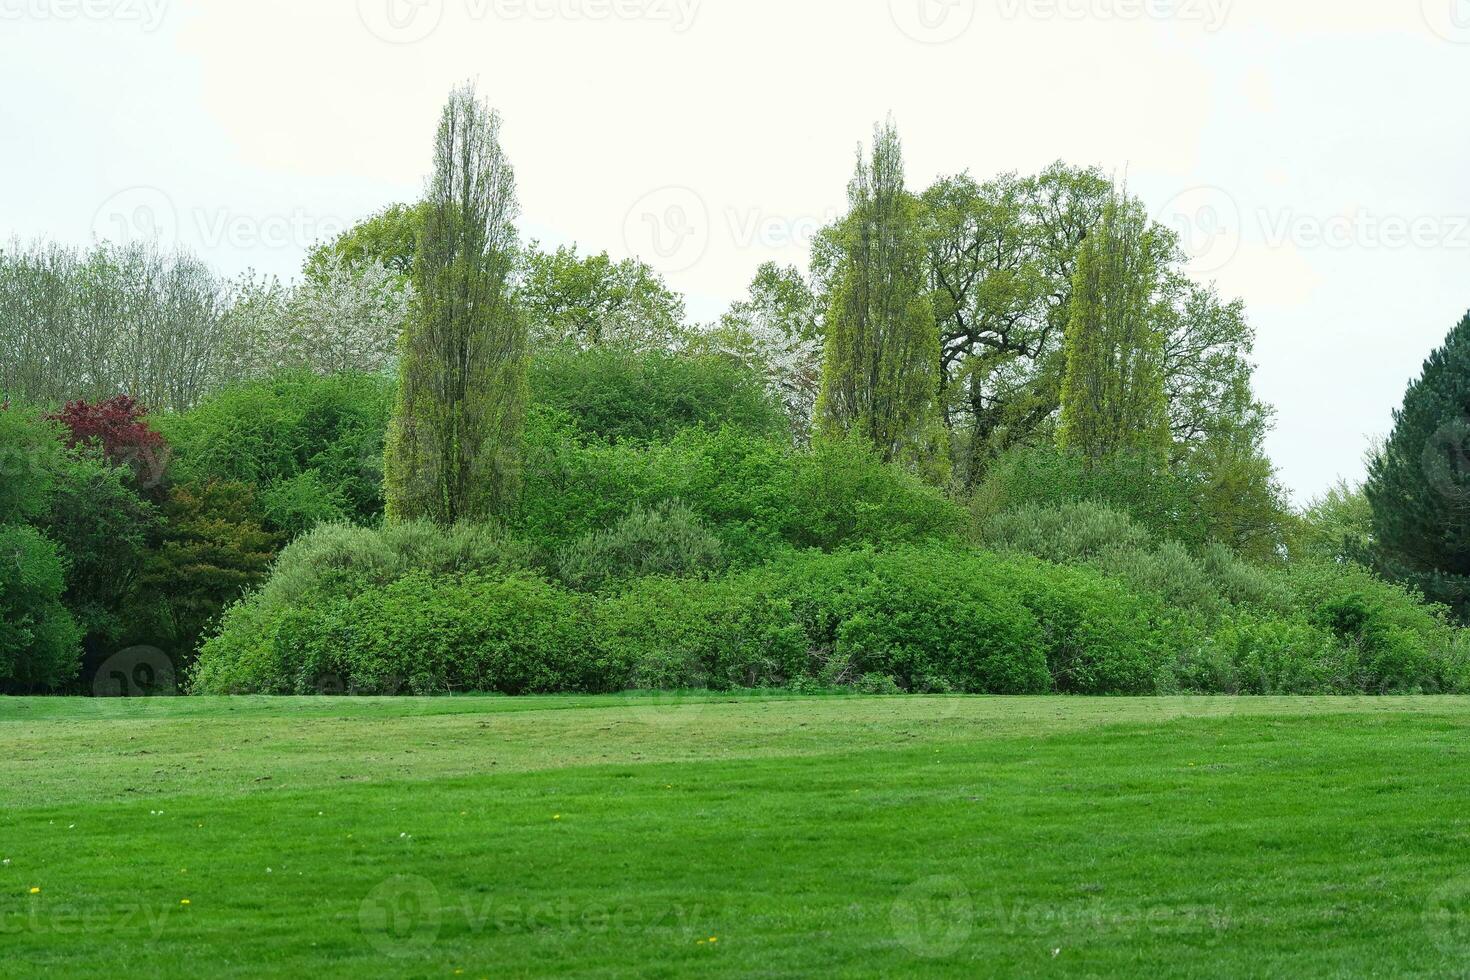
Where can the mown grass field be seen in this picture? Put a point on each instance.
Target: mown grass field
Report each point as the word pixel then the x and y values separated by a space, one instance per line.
pixel 735 836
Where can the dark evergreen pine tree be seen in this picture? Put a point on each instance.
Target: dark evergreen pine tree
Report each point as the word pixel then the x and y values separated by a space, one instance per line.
pixel 1419 485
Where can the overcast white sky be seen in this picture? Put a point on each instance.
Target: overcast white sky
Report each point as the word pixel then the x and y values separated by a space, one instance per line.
pixel 1315 152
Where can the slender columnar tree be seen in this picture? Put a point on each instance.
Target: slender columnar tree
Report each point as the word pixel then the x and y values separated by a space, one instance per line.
pixel 453 448
pixel 1419 484
pixel 1113 397
pixel 880 376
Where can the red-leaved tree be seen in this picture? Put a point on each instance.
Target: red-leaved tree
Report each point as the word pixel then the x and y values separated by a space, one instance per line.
pixel 118 428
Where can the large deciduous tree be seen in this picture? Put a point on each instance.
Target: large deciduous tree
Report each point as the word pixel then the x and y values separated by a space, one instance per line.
pixel 453 447
pixel 1419 484
pixel 594 301
pixel 880 372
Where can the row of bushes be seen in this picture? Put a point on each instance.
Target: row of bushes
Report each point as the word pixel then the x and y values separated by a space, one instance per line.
pixel 413 608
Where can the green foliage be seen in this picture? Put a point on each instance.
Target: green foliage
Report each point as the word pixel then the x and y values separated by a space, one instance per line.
pixel 213 549
pixel 1337 526
pixel 594 301
pixel 105 530
pixel 1154 497
pixel 1113 394
pixel 1065 533
pixel 620 395
pixel 1418 483
pixel 919 617
pixel 669 634
pixel 1100 636
pixel 30 455
pixel 1402 645
pixel 389 236
pixel 40 642
pixel 668 541
pixel 880 374
pixel 451 451
pixel 327 567
pixel 1267 657
pixel 433 634
pixel 310 447
pixel 759 496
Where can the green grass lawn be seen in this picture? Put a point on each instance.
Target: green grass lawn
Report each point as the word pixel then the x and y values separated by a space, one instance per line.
pixel 734 836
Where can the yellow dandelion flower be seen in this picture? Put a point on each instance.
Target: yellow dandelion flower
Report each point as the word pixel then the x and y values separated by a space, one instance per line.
pixel 183 901
pixel 35 891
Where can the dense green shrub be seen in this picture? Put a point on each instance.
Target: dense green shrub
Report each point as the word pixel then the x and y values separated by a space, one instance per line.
pixel 333 564
pixel 40 642
pixel 1068 532
pixel 1266 656
pixel 434 633
pixel 1197 587
pixel 619 395
pixel 668 540
pixel 671 634
pixel 30 455
pixel 1402 645
pixel 1156 499
pixel 759 496
pixel 918 616
pixel 312 447
pixel 1099 636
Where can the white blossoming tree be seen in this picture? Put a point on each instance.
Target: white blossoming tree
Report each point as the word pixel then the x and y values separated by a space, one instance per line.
pixel 777 331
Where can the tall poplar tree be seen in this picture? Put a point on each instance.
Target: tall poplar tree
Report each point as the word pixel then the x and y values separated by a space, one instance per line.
pixel 880 376
pixel 1113 396
pixel 453 446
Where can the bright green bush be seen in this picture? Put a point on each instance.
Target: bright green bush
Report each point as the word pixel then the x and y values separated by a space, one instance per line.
pixel 670 634
pixel 312 447
pixel 1068 532
pixel 1158 500
pixel 432 634
pixel 40 642
pixel 1099 637
pixel 327 566
pixel 759 496
pixel 1267 657
pixel 30 455
pixel 1403 645
pixel 919 616
pixel 668 540
pixel 618 395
